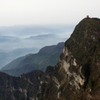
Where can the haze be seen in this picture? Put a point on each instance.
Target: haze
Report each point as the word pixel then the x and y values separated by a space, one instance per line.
pixel 39 12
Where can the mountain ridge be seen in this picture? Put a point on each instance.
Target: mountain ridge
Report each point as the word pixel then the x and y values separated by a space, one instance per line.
pixel 19 88
pixel 48 55
pixel 76 76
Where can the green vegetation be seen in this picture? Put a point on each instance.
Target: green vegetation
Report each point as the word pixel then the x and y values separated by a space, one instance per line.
pixel 47 56
pixel 84 45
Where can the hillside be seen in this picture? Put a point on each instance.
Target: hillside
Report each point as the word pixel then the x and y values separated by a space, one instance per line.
pixel 7 56
pixel 77 74
pixel 48 55
pixel 19 88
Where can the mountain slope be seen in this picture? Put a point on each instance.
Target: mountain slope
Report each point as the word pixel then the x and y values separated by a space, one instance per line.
pixel 7 57
pixel 19 88
pixel 77 74
pixel 48 55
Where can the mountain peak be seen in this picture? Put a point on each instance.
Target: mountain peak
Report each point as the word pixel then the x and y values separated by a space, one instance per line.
pixel 77 74
pixel 87 30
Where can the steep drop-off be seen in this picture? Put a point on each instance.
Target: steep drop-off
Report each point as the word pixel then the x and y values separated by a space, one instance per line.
pixel 77 74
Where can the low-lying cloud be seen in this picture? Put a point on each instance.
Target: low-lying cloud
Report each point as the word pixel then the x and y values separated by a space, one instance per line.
pixel 18 41
pixel 32 36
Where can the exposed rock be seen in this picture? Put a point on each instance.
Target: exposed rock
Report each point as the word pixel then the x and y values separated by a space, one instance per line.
pixel 77 73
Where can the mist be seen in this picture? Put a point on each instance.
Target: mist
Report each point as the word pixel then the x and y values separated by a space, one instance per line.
pixel 16 41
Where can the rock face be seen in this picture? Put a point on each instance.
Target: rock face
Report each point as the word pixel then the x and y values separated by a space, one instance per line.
pixel 19 88
pixel 77 74
pixel 66 79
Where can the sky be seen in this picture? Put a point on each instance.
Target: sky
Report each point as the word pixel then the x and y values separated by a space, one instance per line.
pixel 46 12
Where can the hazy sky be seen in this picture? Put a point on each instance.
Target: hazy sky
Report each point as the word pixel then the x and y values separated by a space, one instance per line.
pixel 34 12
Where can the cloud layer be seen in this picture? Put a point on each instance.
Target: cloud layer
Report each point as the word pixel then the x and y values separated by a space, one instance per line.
pixel 14 37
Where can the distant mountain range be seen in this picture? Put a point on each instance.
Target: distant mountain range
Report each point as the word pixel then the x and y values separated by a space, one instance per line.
pixel 18 41
pixel 31 30
pixel 7 57
pixel 45 36
pixel 48 55
pixel 23 47
pixel 9 39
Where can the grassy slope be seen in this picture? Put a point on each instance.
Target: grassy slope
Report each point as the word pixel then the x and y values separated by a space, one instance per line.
pixel 46 56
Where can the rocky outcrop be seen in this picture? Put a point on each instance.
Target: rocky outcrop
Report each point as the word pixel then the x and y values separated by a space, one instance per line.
pixel 76 75
pixel 68 65
pixel 67 77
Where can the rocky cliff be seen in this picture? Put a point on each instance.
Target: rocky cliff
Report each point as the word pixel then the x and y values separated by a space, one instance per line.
pixel 77 74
